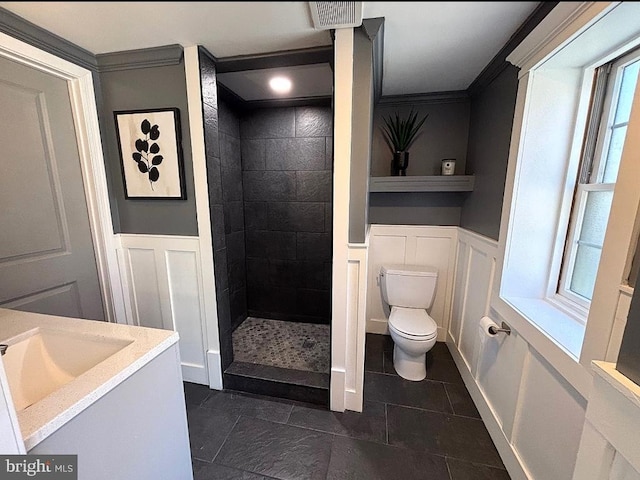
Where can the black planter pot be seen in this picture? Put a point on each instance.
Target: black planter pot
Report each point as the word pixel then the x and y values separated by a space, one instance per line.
pixel 399 164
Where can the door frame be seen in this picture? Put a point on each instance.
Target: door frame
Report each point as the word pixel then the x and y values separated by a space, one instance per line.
pixel 92 165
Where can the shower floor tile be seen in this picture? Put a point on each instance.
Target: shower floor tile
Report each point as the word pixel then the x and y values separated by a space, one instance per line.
pixel 297 346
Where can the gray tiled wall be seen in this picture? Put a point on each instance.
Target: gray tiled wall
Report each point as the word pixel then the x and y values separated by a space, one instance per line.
pixel 287 181
pixel 233 210
pixel 215 175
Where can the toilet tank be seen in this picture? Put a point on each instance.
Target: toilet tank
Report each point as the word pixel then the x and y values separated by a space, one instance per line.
pixel 410 286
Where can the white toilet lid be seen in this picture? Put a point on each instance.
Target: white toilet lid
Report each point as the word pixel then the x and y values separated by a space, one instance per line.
pixel 415 322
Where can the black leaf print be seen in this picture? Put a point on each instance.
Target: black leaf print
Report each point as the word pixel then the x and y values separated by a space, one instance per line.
pixel 143 155
pixel 154 133
pixel 154 174
pixel 142 145
pixel 145 126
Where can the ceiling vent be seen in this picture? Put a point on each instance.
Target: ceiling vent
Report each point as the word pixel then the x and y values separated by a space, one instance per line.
pixel 330 15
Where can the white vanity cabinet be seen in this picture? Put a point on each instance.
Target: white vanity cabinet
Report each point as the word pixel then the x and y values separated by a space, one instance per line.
pixel 125 417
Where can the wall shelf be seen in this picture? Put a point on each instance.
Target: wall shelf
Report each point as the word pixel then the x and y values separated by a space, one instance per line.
pixel 433 183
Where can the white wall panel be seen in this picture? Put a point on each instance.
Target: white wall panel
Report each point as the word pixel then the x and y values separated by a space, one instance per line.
pixel 499 374
pixel 186 306
pixel 164 282
pixel 548 422
pixel 418 245
pixel 476 304
pixel 459 290
pixel 609 448
pixel 145 293
pixel 532 413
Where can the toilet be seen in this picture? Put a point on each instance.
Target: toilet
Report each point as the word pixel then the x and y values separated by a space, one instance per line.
pixel 409 292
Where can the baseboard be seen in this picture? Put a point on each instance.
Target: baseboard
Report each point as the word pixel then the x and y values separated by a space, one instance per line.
pixel 214 364
pixel 509 456
pixel 377 326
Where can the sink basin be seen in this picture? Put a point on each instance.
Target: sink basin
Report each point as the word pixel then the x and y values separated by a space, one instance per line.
pixel 41 360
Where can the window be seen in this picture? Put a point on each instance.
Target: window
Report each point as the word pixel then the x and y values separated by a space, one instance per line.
pixel 614 86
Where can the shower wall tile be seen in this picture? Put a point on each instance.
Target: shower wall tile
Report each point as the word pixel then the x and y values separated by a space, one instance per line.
pixel 253 154
pixel 314 186
pixel 313 122
pixel 262 186
pixel 272 245
pixel 233 217
pixel 313 274
pixel 269 123
pixel 295 154
pixel 208 81
pixel 238 307
pixel 217 226
pixel 314 303
pixel 220 269
pixel 287 186
pixel 211 131
pixel 214 180
pixel 296 217
pixel 328 165
pixel 229 121
pixel 283 273
pixel 314 246
pixel 235 246
pixel 257 270
pixel 328 217
pixel 224 310
pixel 256 215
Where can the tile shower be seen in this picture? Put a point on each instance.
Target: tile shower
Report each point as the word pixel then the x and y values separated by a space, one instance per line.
pixel 270 189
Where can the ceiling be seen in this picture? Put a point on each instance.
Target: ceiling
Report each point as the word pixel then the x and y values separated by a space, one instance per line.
pixel 428 46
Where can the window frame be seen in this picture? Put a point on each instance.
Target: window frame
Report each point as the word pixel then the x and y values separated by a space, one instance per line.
pixel 603 108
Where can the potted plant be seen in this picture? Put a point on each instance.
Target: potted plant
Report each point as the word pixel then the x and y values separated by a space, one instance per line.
pixel 400 133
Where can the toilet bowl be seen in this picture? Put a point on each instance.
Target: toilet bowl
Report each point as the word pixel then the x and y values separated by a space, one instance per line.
pixel 409 291
pixel 414 333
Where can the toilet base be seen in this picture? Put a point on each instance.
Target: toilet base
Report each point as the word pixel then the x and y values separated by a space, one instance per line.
pixel 409 367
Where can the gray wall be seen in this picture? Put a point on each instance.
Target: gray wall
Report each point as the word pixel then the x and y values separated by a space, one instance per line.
pixel 444 135
pixel 287 184
pixel 361 134
pixel 629 357
pixel 142 88
pixel 233 210
pixel 492 112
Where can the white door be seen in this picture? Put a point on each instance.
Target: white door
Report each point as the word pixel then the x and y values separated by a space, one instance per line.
pixel 47 260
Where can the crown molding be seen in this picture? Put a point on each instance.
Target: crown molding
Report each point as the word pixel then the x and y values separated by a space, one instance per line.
pixel 498 64
pixel 19 28
pixel 456 96
pixel 562 23
pixel 143 58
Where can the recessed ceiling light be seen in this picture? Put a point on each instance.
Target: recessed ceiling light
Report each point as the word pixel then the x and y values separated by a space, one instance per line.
pixel 280 84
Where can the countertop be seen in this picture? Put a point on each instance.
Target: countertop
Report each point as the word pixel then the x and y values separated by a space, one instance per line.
pixel 43 418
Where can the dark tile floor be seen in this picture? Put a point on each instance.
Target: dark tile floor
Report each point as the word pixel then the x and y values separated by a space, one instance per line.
pixel 408 430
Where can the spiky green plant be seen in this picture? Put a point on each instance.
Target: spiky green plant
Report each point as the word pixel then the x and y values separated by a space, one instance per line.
pixel 400 133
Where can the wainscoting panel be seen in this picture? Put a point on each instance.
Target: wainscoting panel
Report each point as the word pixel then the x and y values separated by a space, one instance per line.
pixel 534 416
pixel 164 287
pixel 418 245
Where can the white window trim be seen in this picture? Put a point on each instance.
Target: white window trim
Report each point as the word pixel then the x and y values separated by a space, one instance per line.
pixel 560 286
pixel 567 22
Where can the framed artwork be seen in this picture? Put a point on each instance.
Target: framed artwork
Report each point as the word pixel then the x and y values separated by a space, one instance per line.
pixel 150 147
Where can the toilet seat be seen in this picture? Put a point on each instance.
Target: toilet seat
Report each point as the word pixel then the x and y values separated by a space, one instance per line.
pixel 412 323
